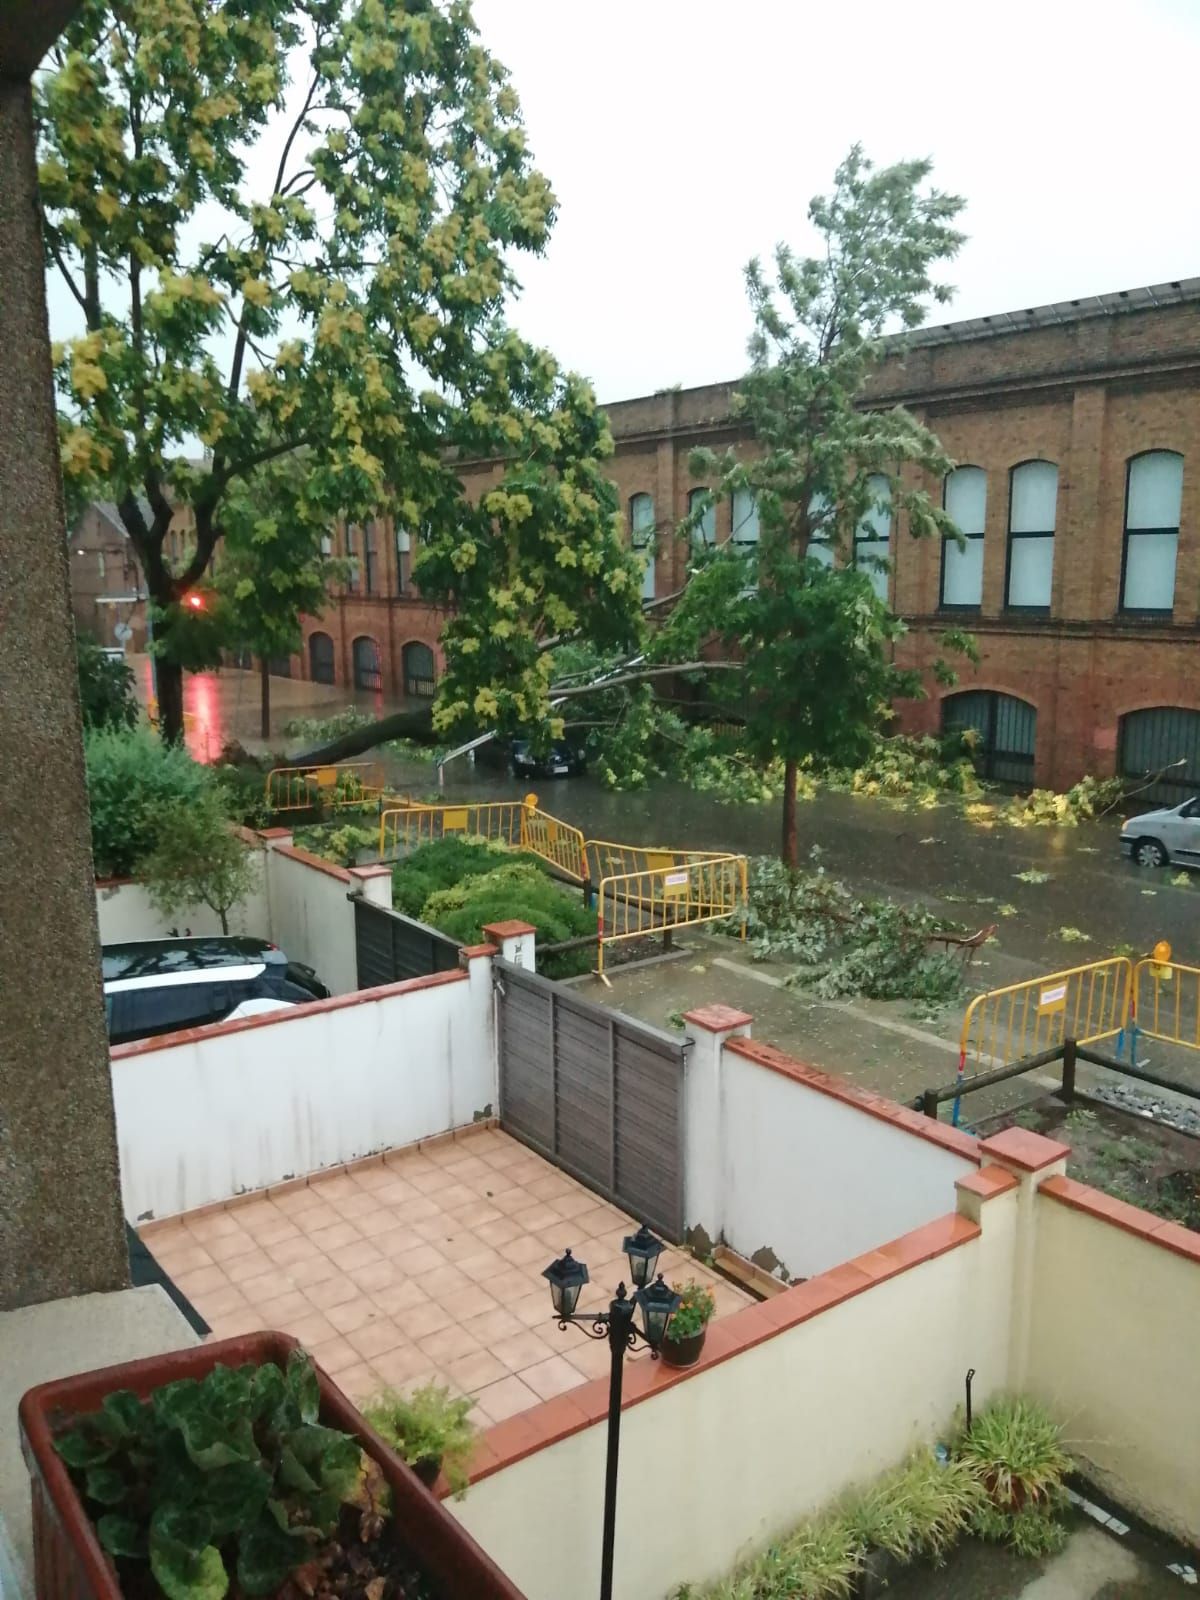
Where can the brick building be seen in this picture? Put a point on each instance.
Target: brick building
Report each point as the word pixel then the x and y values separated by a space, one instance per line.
pixel 1077 430
pixel 106 580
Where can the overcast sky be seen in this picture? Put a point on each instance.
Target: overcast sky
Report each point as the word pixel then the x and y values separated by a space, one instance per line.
pixel 684 136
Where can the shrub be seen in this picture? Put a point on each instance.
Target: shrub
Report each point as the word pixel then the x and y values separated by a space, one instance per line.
pixel 1015 1449
pixel 198 860
pixel 431 1424
pixel 106 688
pixel 135 780
pixel 439 866
pixel 518 890
pixel 342 845
pixel 920 1509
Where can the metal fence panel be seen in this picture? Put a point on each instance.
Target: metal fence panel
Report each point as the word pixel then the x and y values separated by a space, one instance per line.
pixel 1164 740
pixel 390 947
pixel 595 1092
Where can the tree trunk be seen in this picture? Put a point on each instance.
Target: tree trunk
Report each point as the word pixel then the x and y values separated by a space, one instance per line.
pixel 169 676
pixel 264 678
pixel 224 920
pixel 414 725
pixel 789 852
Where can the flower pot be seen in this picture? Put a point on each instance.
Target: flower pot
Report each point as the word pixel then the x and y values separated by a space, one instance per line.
pixel 69 1560
pixel 683 1352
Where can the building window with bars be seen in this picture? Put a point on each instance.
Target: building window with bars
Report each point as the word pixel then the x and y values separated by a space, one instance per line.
pixel 1153 496
pixel 1032 509
pixel 964 497
pixel 403 561
pixel 704 534
pixel 370 557
pixel 743 517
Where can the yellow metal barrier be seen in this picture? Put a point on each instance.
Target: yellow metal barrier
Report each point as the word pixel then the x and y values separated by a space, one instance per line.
pixel 336 788
pixel 556 842
pixel 1085 1003
pixel 413 825
pixel 633 904
pixel 1165 1003
pixel 604 859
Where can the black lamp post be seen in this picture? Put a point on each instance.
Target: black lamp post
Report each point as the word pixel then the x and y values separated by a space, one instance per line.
pixel 657 1302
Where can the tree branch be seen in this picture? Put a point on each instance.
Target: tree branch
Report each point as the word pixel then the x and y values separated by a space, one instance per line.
pixel 62 267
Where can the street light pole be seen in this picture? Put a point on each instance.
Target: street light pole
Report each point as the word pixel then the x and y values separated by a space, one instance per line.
pixel 657 1303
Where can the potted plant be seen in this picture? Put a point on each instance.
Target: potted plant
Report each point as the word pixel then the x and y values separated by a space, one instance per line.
pixel 235 1466
pixel 685 1332
pixel 429 1429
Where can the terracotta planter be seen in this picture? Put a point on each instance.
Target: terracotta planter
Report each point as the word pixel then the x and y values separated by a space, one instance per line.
pixel 69 1560
pixel 683 1352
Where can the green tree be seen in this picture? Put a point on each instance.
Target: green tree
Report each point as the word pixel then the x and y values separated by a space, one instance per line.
pixel 272 568
pixel 352 309
pixel 106 688
pixel 816 643
pixel 198 860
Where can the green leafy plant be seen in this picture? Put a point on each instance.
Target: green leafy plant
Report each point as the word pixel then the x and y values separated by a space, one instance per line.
pixel 106 688
pixel 198 860
pixel 443 864
pixel 920 1509
pixel 135 785
pixel 342 845
pixel 430 1425
pixel 1015 1449
pixel 1032 875
pixel 519 891
pixel 695 1311
pixel 228 1478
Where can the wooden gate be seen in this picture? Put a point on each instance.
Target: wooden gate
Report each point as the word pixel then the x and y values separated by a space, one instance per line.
pixel 595 1092
pixel 389 947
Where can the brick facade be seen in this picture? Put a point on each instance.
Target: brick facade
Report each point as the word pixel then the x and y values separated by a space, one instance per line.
pixel 1086 386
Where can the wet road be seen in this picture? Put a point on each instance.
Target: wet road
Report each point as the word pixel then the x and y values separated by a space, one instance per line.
pixel 964 870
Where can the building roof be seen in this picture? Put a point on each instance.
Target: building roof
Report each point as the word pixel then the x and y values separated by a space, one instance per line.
pixel 1148 298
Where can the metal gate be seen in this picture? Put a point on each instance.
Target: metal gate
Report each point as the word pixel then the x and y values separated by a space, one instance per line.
pixel 595 1092
pixel 1163 743
pixel 389 947
pixel 1007 729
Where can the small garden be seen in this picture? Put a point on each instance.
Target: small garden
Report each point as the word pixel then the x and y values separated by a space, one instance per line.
pixel 1003 1480
pixel 460 885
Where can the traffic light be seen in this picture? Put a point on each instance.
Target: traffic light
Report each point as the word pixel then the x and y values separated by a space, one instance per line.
pixel 196 601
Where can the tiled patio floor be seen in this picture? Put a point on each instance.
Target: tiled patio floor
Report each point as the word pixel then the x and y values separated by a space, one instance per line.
pixel 423 1266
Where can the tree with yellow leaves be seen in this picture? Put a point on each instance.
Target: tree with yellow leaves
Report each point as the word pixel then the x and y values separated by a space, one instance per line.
pixel 348 310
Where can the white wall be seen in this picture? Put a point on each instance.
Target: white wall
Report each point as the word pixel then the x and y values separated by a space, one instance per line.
pixel 208 1114
pixel 312 917
pixel 739 1452
pixel 777 1165
pixel 1113 1352
pixel 125 912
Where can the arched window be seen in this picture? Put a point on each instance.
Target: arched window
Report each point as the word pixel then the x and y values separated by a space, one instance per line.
pixel 743 517
pixel 641 537
pixel 420 674
pixel 1032 509
pixel 965 500
pixel 367 673
pixel 320 658
pixel 873 536
pixel 1153 494
pixel 704 534
pixel 1006 730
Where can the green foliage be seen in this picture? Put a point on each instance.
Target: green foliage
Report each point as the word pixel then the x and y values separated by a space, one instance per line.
pixel 349 313
pixel 517 891
pixel 845 945
pixel 308 731
pixel 431 1424
pixel 135 783
pixel 919 770
pixel 696 1309
pixel 341 845
pixel 1084 801
pixel 226 1477
pixel 817 644
pixel 1015 1449
pixel 242 781
pixel 441 865
pixel 920 1509
pixel 106 688
pixel 197 859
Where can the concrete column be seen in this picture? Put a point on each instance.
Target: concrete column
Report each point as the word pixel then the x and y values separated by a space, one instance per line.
pixel 61 1227
pixel 375 883
pixel 703 1156
pixel 516 941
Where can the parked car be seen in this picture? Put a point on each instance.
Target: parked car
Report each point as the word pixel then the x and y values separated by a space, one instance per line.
pixel 561 760
pixel 1171 834
pixel 154 986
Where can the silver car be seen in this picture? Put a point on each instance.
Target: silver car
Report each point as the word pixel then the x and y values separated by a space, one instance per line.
pixel 1159 837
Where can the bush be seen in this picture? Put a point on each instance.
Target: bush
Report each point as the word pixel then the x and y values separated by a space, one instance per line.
pixel 106 688
pixel 443 864
pixel 1015 1450
pixel 134 780
pixel 517 891
pixel 198 860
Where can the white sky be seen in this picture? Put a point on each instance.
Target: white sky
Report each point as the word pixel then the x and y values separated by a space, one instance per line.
pixel 684 136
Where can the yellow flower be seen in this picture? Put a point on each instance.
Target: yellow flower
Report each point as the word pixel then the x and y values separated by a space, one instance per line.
pixel 256 291
pixel 87 379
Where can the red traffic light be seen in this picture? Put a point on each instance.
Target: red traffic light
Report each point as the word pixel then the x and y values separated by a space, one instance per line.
pixel 196 602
